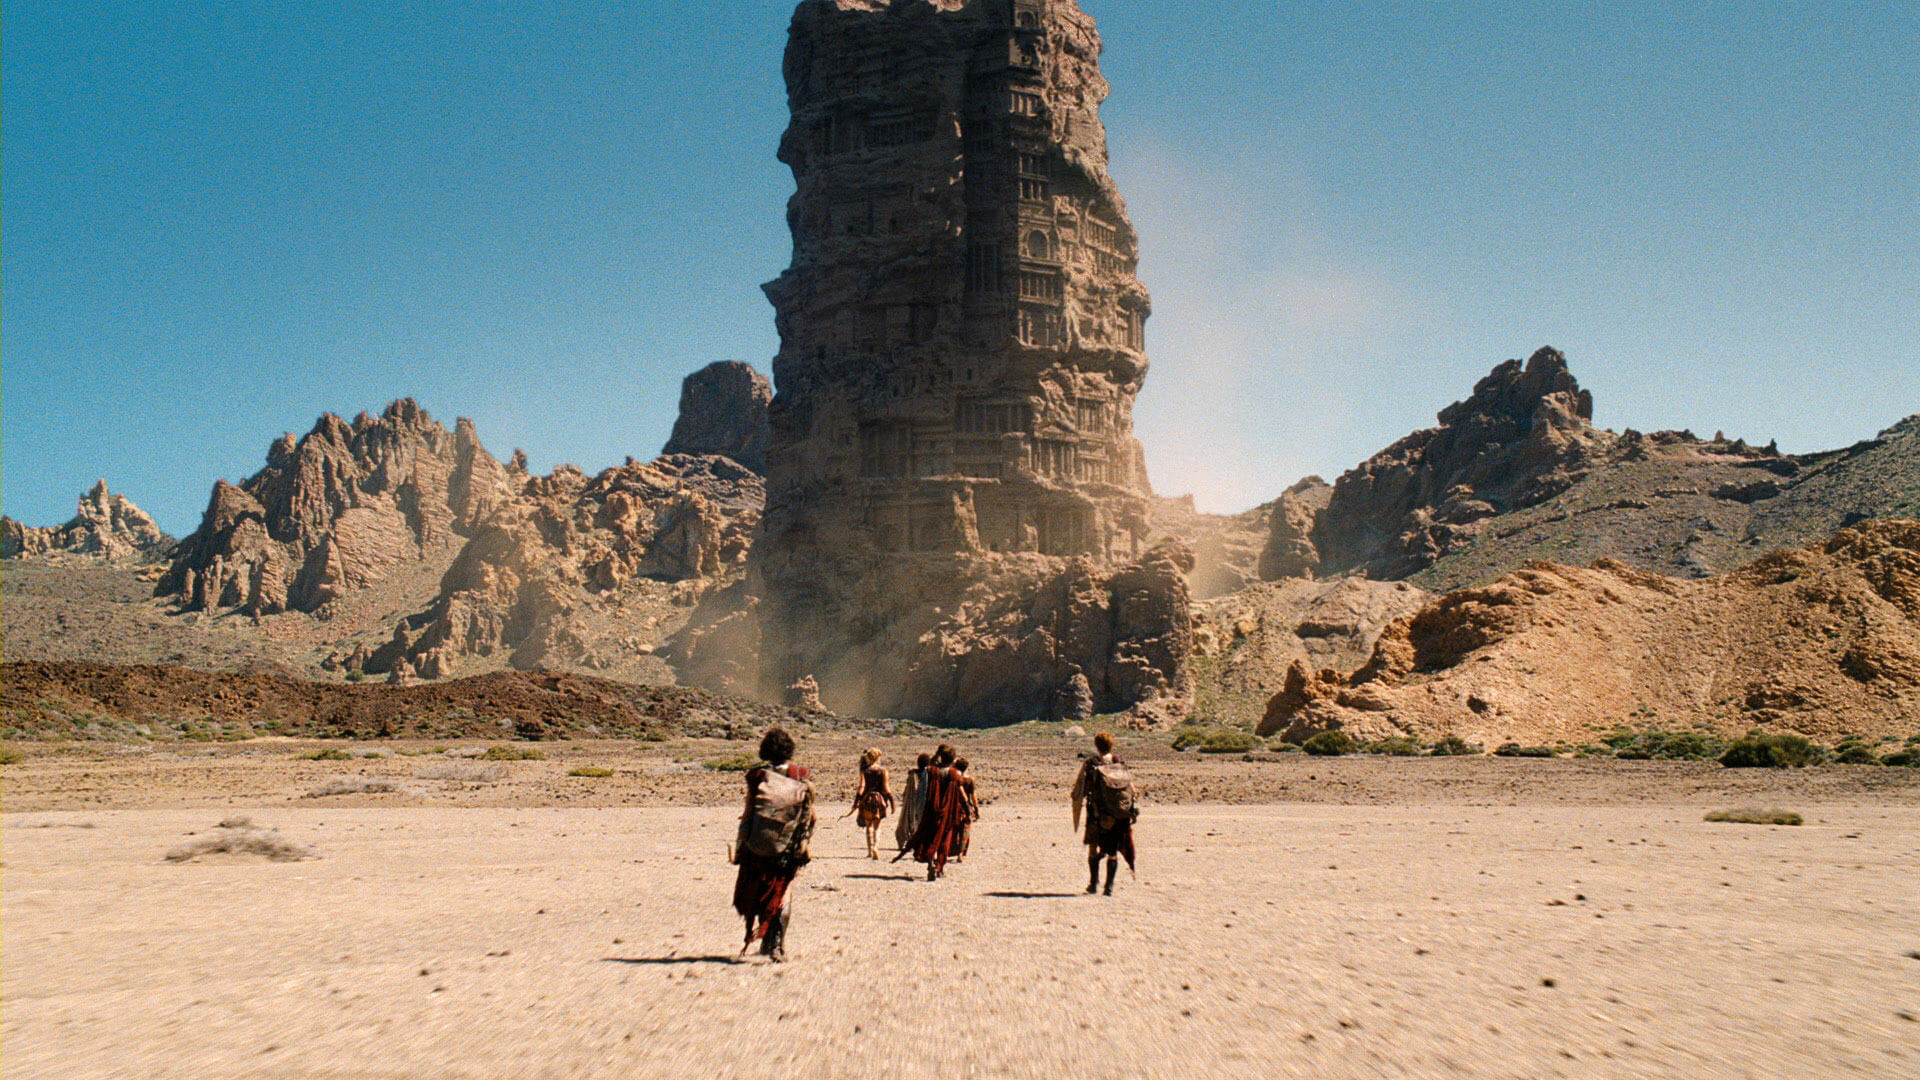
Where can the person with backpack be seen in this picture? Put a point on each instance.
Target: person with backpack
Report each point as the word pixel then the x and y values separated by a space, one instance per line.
pixel 775 830
pixel 1105 787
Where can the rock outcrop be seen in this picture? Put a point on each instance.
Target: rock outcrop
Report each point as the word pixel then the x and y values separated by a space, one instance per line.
pixel 1290 551
pixel 1524 436
pixel 1517 473
pixel 335 511
pixel 723 410
pixel 104 526
pixel 567 544
pixel 1822 640
pixel 962 340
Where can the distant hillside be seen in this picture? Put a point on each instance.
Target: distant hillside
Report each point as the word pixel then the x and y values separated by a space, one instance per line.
pixel 1517 472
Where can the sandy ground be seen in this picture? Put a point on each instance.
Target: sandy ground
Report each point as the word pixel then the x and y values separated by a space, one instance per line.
pixel 1433 931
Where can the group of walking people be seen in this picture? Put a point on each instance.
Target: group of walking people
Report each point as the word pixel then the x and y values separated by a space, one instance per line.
pixel 938 806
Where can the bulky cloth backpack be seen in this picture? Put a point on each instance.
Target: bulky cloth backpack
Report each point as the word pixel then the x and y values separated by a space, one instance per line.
pixel 1112 793
pixel 779 806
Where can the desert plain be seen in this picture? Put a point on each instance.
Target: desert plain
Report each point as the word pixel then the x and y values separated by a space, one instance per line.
pixel 1292 916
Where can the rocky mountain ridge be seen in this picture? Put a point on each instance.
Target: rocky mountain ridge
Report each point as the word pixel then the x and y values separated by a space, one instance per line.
pixel 1516 472
pixel 104 526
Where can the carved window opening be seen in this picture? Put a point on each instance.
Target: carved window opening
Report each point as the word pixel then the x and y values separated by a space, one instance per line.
pixel 899 129
pixel 1040 285
pixel 1089 415
pixel 1062 530
pixel 1024 104
pixel 983 269
pixel 1032 165
pixel 1033 189
pixel 1039 246
pixel 992 417
pixel 886 450
pixel 1042 326
pixel 1052 457
pixel 1136 328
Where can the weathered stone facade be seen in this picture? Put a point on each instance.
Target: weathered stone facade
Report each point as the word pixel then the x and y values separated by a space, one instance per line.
pixel 961 329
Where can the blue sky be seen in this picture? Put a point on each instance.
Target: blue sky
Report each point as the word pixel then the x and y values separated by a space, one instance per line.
pixel 221 219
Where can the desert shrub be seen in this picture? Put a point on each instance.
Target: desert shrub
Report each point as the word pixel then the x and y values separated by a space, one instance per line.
pixel 1902 757
pixel 1284 748
pixel 1757 751
pixel 1854 753
pixel 1330 744
pixel 1453 746
pixel 1748 816
pixel 1187 736
pixel 1398 746
pixel 503 752
pixel 356 675
pixel 330 753
pixel 1222 740
pixel 10 756
pixel 1514 749
pixel 736 763
pixel 1687 746
pixel 355 785
pixel 593 771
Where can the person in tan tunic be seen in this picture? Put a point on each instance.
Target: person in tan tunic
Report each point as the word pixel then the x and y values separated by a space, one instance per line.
pixel 874 799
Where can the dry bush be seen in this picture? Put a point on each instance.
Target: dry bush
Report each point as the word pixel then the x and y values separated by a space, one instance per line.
pixel 513 753
pixel 1750 816
pixel 736 763
pixel 1330 744
pixel 464 772
pixel 239 836
pixel 1759 751
pixel 593 771
pixel 355 785
pixel 1453 746
pixel 10 756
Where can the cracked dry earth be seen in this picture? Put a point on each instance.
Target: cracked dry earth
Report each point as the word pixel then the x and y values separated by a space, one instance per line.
pixel 1437 938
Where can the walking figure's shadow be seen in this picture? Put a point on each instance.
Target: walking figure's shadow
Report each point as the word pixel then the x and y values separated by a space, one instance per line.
pixel 657 960
pixel 1032 895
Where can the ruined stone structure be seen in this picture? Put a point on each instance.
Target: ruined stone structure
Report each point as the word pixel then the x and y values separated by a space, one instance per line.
pixel 962 335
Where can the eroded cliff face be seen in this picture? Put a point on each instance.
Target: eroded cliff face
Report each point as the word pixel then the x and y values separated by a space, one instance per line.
pixel 104 526
pixel 337 510
pixel 1524 436
pixel 723 410
pixel 529 581
pixel 962 340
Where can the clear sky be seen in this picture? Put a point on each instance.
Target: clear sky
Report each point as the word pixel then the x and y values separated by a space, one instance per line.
pixel 223 218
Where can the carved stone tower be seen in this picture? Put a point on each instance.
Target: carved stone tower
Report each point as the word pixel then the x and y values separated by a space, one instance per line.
pixel 961 332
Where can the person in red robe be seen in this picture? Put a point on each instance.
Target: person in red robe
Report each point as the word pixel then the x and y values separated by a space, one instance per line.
pixel 943 824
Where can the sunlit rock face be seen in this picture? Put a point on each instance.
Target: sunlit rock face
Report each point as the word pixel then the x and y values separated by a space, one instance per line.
pixel 962 340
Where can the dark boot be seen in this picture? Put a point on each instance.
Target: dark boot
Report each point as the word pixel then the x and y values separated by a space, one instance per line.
pixel 774 945
pixel 1113 866
pixel 1093 875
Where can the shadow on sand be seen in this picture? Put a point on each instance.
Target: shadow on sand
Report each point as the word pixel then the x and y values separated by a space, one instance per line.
pixel 1033 895
pixel 883 877
pixel 650 960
